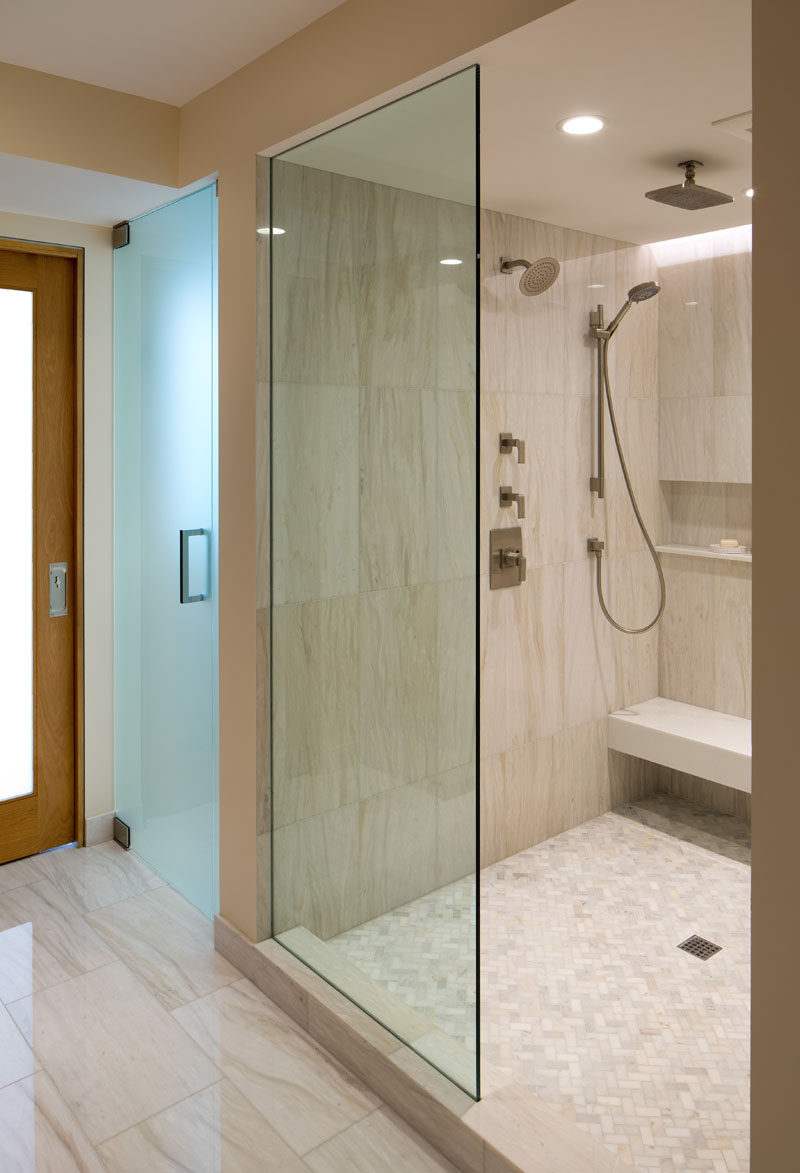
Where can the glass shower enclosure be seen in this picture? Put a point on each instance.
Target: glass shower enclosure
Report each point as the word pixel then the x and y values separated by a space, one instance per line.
pixel 374 578
pixel 165 506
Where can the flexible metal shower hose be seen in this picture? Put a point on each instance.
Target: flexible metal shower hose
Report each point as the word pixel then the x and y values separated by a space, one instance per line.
pixel 639 518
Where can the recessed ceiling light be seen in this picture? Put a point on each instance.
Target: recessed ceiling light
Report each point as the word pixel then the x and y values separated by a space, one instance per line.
pixel 595 286
pixel 749 192
pixel 451 261
pixel 275 231
pixel 582 124
pixel 690 303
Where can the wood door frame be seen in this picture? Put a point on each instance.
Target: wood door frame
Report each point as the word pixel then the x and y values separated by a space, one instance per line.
pixel 77 255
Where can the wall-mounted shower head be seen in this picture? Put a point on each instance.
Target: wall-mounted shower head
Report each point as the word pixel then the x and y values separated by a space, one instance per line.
pixel 689 194
pixel 537 277
pixel 643 291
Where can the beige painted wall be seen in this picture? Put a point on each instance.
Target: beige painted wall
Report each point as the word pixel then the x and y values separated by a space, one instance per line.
pixel 98 492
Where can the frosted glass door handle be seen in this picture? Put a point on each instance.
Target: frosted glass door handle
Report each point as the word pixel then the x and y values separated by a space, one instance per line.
pixel 185 563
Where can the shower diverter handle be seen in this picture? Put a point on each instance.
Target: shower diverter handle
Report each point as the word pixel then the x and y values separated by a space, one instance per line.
pixel 508 442
pixel 508 497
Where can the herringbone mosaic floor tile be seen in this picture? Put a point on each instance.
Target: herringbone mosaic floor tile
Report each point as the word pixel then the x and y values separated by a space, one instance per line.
pixel 584 996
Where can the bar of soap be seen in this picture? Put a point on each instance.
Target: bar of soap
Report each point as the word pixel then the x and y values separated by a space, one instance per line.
pixel 729 543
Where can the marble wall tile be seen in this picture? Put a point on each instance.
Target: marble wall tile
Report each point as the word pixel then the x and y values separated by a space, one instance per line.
pixel 457 299
pixel 630 779
pixel 495 289
pixel 590 685
pixel 697 513
pixel 724 799
pixel 457 672
pixel 581 513
pixel 496 623
pixel 633 593
pixel 397 288
pixel 733 297
pixel 262 269
pixel 321 215
pixel 686 669
pixel 534 806
pixel 686 445
pixel 262 495
pixel 585 777
pixel 398 686
pixel 316 492
pixel 398 509
pixel 456 823
pixel 494 841
pixel 315 320
pixel 397 848
pixel 635 347
pixel 316 863
pixel 549 471
pixel 637 420
pixel 588 275
pixel 535 656
pixel 730 638
pixel 455 536
pixel 739 513
pixel 686 323
pixel 536 360
pixel 263 721
pixel 732 427
pixel 316 708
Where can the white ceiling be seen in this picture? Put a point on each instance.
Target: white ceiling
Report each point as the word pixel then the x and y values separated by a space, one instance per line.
pixel 169 50
pixel 660 73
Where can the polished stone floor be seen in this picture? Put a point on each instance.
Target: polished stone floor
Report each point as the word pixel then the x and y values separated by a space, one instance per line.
pixel 128 1044
pixel 585 998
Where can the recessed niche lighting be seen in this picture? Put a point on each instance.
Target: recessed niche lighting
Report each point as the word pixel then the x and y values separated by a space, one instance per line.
pixel 275 231
pixel 451 261
pixel 749 192
pixel 582 124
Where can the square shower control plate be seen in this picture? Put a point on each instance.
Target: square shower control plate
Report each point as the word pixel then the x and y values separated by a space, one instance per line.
pixel 506 561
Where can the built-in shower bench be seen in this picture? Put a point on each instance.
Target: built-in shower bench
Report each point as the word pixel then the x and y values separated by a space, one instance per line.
pixel 695 741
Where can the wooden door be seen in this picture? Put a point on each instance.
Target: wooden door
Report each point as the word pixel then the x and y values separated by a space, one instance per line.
pixel 50 813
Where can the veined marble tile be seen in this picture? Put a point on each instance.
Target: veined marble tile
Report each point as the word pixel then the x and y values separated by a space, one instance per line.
pixel 494 829
pixel 263 243
pixel 590 677
pixel 92 877
pixel 21 872
pixel 397 847
pixel 320 212
pixel 633 593
pixel 263 530
pixel 456 823
pixel 457 674
pixel 16 1057
pixel 216 1129
pixel 588 273
pixel 495 290
pixel 456 310
pixel 733 300
pixel 113 1051
pixel 399 509
pixel 535 645
pixel 496 622
pixel 299 1089
pixel 732 425
pixel 398 274
pixel 739 513
pixel 697 513
pixel 38 1131
pixel 686 670
pixel 495 417
pixel 686 442
pixel 635 347
pixel 316 873
pixel 535 805
pixel 536 338
pixel 637 420
pixel 315 707
pixel 315 324
pixel 381 1140
pixel 585 778
pixel 397 651
pixel 580 513
pixel 731 636
pixel 315 537
pixel 263 724
pixel 167 943
pixel 456 472
pixel 686 325
pixel 43 941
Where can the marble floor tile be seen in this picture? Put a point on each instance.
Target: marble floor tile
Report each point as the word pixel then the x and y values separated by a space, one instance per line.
pixel 43 941
pixel 381 1141
pixel 20 872
pixel 114 1053
pixel 38 1132
pixel 300 1090
pixel 93 877
pixel 167 943
pixel 16 1058
pixel 215 1130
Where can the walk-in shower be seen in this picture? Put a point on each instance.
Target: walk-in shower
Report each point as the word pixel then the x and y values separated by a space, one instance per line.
pixel 641 292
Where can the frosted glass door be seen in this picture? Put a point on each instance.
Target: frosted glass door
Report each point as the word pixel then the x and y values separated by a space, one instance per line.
pixel 165 542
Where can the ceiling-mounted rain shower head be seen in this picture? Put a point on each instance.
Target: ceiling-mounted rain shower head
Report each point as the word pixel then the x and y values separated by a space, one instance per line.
pixel 689 194
pixel 537 277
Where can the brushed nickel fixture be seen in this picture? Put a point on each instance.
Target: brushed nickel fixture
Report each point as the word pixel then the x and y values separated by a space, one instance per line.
pixel 508 497
pixel 507 565
pixel 689 194
pixel 642 292
pixel 508 443
pixel 538 276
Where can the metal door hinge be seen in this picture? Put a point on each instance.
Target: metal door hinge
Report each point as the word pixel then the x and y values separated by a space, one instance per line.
pixel 122 833
pixel 121 234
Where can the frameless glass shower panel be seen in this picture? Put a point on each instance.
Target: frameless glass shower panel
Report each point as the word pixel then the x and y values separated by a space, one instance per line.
pixel 165 542
pixel 373 459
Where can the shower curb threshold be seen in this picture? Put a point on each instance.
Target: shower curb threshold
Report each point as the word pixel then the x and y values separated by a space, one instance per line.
pixel 510 1130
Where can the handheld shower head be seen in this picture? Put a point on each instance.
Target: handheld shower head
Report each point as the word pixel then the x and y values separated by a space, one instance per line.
pixel 538 277
pixel 644 291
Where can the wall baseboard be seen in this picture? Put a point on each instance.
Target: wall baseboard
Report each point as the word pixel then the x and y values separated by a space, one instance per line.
pixel 99 829
pixel 509 1131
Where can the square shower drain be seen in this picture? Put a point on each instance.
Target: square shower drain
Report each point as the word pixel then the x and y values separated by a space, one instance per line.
pixel 700 947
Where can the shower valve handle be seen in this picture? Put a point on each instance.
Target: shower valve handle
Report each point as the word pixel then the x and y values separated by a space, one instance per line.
pixel 508 497
pixel 509 442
